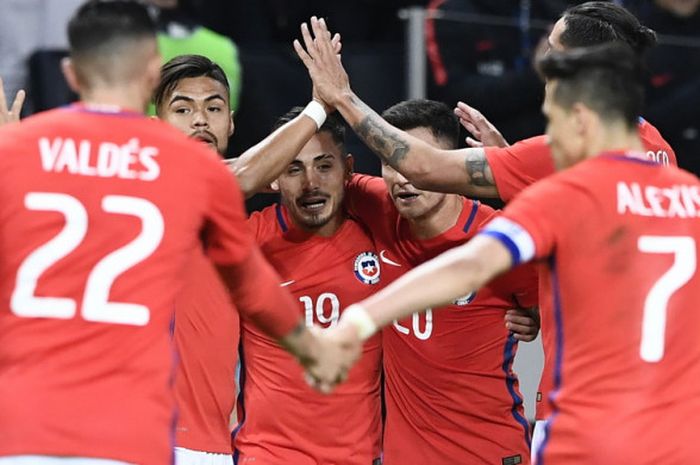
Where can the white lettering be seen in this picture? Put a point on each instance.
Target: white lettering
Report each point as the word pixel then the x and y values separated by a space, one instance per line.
pixel 625 199
pixel 146 157
pixel 680 201
pixel 128 161
pixel 49 152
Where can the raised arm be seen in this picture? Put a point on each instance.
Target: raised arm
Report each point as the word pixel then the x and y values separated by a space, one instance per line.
pixel 264 162
pixel 464 171
pixel 261 164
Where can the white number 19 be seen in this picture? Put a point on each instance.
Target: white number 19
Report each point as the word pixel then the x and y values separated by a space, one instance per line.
pixel 655 305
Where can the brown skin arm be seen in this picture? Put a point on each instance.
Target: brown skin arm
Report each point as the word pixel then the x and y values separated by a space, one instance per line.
pixel 464 171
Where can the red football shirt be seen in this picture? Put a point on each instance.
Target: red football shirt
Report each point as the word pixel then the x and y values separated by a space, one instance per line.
pixel 619 236
pixel 206 336
pixel 284 421
pixel 451 395
pixel 525 162
pixel 99 213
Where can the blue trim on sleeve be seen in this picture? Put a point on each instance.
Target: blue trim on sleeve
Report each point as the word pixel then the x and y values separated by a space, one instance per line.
pixel 507 242
pixel 280 218
pixel 472 215
pixel 508 357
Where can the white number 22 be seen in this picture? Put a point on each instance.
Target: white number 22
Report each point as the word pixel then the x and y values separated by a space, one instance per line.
pixel 96 305
pixel 655 305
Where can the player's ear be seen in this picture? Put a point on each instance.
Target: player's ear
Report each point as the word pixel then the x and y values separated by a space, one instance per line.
pixel 581 117
pixel 68 70
pixel 349 165
pixel 232 125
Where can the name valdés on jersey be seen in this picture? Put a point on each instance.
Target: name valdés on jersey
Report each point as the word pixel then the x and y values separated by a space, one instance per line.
pixel 82 157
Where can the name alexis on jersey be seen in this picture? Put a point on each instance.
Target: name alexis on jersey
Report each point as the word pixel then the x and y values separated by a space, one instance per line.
pixel 128 161
pixel 680 201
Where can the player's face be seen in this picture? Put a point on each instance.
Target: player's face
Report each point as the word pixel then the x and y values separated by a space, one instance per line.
pixel 412 203
pixel 199 107
pixel 563 131
pixel 313 185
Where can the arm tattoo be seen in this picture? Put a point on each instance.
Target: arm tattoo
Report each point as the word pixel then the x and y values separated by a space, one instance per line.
pixel 383 141
pixel 479 170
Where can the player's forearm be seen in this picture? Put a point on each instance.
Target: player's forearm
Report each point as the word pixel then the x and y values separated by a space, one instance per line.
pixel 256 292
pixel 438 282
pixel 425 166
pixel 265 161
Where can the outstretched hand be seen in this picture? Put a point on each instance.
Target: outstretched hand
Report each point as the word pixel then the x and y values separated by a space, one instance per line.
pixel 11 115
pixel 320 55
pixel 339 350
pixel 484 132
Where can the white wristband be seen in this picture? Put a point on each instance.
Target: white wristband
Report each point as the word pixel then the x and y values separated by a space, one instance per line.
pixel 316 112
pixel 360 319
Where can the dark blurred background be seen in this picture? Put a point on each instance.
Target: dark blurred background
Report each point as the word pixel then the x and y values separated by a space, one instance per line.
pixel 478 51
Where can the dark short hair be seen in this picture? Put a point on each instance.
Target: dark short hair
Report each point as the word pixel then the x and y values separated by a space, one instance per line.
pixel 333 125
pixel 599 22
pixel 436 116
pixel 101 25
pixel 606 78
pixel 183 67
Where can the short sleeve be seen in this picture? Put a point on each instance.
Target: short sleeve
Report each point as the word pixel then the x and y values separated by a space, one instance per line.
pixel 367 199
pixel 530 225
pixel 228 237
pixel 516 167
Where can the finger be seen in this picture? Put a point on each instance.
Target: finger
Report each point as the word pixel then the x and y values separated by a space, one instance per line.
pixel 520 320
pixel 308 40
pixel 301 53
pixel 471 128
pixel 323 29
pixel 474 143
pixel 524 337
pixel 3 100
pixel 17 104
pixel 322 36
pixel 337 44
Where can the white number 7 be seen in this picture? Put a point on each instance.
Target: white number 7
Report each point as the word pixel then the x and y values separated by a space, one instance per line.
pixel 655 305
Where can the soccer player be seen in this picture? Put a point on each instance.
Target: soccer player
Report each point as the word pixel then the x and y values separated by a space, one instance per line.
pixel 327 261
pixel 193 96
pixel 101 207
pixel 618 235
pixel 473 171
pixel 451 396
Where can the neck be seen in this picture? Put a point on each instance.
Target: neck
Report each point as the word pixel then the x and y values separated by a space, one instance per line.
pixel 439 219
pixel 125 97
pixel 613 137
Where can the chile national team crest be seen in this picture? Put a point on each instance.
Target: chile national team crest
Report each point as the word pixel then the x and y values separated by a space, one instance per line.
pixel 367 268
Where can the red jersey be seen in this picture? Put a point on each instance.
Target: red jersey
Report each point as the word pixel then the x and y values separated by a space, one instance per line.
pixel 525 162
pixel 451 395
pixel 99 212
pixel 618 235
pixel 206 337
pixel 284 421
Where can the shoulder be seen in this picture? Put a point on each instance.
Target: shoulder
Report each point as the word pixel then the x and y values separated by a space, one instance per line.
pixel 267 223
pixel 658 149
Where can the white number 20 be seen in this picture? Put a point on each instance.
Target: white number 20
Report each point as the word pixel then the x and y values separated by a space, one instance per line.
pixel 655 305
pixel 96 305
